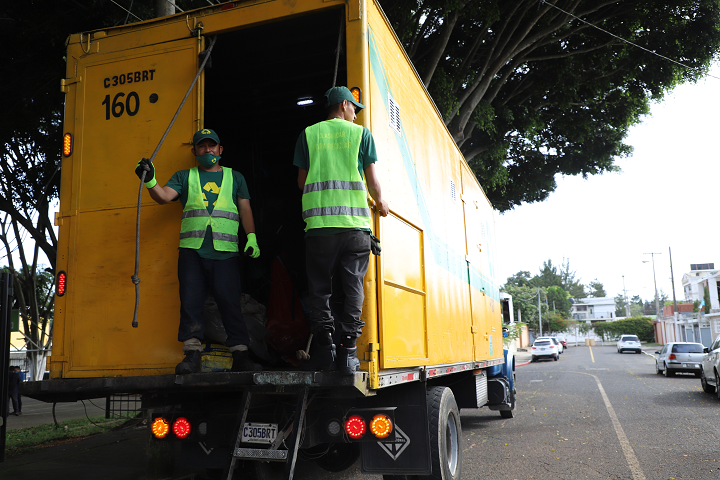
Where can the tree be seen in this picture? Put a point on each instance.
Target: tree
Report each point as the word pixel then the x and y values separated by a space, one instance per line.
pixel 525 300
pixel 620 306
pixel 706 298
pixel 530 90
pixel 558 300
pixel 569 283
pixel 548 277
pixel 596 289
pixel 520 279
pixel 640 326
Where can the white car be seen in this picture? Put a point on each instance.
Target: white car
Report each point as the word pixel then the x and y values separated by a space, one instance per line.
pixel 678 357
pixel 709 368
pixel 629 342
pixel 558 344
pixel 544 348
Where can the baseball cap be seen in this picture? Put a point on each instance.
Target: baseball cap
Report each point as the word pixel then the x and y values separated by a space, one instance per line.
pixel 203 134
pixel 337 94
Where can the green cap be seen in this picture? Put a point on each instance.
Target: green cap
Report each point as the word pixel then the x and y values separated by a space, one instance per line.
pixel 337 94
pixel 203 134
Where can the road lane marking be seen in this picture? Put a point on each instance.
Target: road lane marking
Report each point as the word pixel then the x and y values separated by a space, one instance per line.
pixel 591 354
pixel 630 457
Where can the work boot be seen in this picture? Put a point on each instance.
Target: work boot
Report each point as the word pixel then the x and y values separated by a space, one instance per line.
pixel 190 364
pixel 347 360
pixel 322 358
pixel 242 362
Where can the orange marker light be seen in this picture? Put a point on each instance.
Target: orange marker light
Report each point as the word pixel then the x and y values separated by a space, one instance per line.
pixel 160 427
pixel 357 94
pixel 355 427
pixel 67 144
pixel 181 427
pixel 381 426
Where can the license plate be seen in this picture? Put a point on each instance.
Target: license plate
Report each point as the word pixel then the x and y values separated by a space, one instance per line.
pixel 259 432
pixel 542 349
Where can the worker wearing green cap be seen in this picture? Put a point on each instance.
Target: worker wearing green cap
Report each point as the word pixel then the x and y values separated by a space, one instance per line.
pixel 215 202
pixel 335 158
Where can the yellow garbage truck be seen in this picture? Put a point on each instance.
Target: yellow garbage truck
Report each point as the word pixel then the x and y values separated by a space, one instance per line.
pixel 433 340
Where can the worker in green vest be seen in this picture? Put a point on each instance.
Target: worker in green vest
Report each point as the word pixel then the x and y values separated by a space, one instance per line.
pixel 215 202
pixel 334 158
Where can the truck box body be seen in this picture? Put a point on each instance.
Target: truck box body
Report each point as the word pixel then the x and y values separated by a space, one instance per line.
pixel 431 298
pixel 432 341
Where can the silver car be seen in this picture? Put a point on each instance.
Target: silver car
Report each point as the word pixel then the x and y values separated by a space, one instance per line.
pixel 678 357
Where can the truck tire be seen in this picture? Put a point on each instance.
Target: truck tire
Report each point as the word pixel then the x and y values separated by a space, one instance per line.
pixel 445 434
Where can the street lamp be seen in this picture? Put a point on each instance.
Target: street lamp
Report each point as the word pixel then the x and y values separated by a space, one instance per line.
pixel 657 298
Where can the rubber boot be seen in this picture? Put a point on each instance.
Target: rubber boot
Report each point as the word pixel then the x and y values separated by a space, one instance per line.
pixel 242 362
pixel 347 360
pixel 192 363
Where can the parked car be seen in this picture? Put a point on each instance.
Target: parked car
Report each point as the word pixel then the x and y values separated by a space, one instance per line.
pixel 556 342
pixel 629 342
pixel 562 340
pixel 678 357
pixel 710 366
pixel 544 347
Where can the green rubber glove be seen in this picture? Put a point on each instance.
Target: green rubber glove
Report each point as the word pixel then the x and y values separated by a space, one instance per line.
pixel 252 243
pixel 150 181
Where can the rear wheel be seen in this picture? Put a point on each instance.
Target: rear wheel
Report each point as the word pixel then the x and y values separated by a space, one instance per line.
pixel 557 357
pixel 657 368
pixel 667 372
pixel 717 385
pixel 445 433
pixel 707 388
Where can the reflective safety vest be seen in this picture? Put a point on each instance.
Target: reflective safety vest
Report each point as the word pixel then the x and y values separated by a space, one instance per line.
pixel 334 194
pixel 224 219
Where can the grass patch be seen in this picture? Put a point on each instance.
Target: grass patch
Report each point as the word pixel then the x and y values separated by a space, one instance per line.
pixel 25 440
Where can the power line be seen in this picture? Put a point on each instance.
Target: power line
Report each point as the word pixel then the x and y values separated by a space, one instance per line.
pixel 626 41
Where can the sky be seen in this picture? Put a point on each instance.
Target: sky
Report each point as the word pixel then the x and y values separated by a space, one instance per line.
pixel 664 197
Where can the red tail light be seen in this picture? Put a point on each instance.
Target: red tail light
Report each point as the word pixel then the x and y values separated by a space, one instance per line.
pixel 672 357
pixel 355 427
pixel 60 283
pixel 181 427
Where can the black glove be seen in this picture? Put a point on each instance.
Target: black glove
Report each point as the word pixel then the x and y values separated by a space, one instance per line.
pixel 143 165
pixel 375 245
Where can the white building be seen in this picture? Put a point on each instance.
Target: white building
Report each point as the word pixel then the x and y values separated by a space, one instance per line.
pixel 593 308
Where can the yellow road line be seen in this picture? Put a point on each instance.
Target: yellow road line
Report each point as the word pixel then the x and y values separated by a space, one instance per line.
pixel 591 354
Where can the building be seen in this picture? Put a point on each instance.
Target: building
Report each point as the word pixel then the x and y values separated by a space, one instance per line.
pixel 593 308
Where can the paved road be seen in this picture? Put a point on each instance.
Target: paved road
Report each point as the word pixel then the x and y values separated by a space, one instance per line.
pixel 35 412
pixel 594 414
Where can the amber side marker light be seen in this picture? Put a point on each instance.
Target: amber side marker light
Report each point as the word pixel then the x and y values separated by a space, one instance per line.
pixel 381 426
pixel 181 427
pixel 67 144
pixel 355 427
pixel 357 94
pixel 160 428
pixel 61 283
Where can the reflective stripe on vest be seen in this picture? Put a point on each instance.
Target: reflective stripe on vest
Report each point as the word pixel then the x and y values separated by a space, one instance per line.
pixel 334 195
pixel 224 220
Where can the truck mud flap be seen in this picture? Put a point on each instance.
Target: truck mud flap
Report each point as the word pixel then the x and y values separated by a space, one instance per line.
pixel 499 394
pixel 409 452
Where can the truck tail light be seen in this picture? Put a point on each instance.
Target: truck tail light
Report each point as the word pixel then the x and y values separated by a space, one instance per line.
pixel 60 283
pixel 357 94
pixel 381 426
pixel 160 428
pixel 67 144
pixel 181 427
pixel 355 427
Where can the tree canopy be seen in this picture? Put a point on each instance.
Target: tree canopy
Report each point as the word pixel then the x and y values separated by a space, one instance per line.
pixel 531 89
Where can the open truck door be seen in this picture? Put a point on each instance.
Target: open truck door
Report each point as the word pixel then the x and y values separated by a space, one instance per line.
pixel 120 101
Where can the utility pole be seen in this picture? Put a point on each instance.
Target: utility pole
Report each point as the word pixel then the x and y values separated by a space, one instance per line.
pixel 539 313
pixel 675 309
pixel 627 305
pixel 657 298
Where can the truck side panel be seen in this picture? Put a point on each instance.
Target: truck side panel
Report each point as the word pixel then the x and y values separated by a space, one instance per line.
pixel 423 176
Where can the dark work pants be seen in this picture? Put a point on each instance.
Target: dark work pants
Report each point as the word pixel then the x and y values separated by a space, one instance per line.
pixel 345 256
pixel 16 400
pixel 200 276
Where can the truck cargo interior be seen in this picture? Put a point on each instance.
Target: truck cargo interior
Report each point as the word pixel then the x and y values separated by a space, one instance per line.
pixel 259 112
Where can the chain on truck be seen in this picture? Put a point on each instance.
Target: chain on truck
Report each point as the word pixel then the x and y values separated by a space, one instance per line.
pixel 432 342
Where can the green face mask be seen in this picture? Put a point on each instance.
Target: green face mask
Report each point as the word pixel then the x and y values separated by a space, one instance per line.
pixel 208 160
